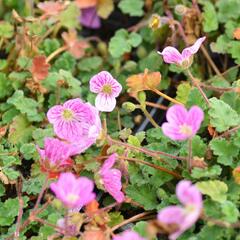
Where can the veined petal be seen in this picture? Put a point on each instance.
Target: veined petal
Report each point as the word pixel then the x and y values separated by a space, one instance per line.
pixel 177 114
pixel 173 132
pixel 108 163
pixel 189 51
pixel 105 103
pixel 195 118
pixel 54 114
pixel 171 55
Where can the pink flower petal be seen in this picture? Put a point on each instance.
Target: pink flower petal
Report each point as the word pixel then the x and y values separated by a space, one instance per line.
pixel 128 235
pixel 195 118
pixel 188 194
pixel 108 163
pixel 189 51
pixel 177 114
pixel 173 132
pixel 54 114
pixel 171 55
pixel 105 103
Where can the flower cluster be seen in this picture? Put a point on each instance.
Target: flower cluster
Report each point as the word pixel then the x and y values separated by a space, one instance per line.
pixel 183 217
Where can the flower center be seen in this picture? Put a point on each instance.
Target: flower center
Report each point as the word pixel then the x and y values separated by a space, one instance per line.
pixel 67 114
pixel 72 197
pixel 107 89
pixel 186 130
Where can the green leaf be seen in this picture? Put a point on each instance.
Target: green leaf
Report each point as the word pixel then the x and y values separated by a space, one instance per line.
pixel 210 20
pixel 133 140
pixel 69 17
pixel 9 210
pixel 115 218
pixel 28 150
pixel 90 63
pixel 50 45
pixel 222 116
pixel 6 30
pixel 133 8
pixel 144 195
pixel 215 189
pixel 20 130
pixel 195 98
pixel 141 229
pixel 122 42
pixel 134 39
pixel 221 45
pixel 228 9
pixel 234 50
pixel 230 211
pixel 39 135
pixel 65 62
pixel 105 8
pixel 152 62
pixel 225 150
pixel 118 45
pixel 5 86
pixel 210 172
pixel 183 91
pixel 26 106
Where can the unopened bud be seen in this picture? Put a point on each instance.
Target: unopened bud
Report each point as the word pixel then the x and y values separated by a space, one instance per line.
pixel 102 48
pixel 129 107
pixel 142 98
pixel 130 66
pixel 180 9
pixel 141 52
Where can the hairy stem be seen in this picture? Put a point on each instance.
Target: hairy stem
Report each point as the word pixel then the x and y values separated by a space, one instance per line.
pixel 55 53
pixel 166 97
pixel 196 84
pixel 149 117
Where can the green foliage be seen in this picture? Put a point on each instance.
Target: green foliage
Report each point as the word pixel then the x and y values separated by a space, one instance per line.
pixel 144 195
pixel 216 189
pixel 122 42
pixel 6 30
pixel 133 8
pixel 225 150
pixel 115 218
pixel 222 116
pixel 210 20
pixel 69 17
pixel 183 91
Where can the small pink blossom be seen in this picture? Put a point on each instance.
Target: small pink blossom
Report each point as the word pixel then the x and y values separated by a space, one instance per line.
pixel 107 89
pixel 50 8
pixel 128 235
pixel 172 55
pixel 76 122
pixel 55 156
pixel 182 124
pixel 186 216
pixel 111 178
pixel 73 192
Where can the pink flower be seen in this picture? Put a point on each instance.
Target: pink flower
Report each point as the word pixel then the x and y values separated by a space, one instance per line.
pixel 182 124
pixel 50 8
pixel 107 88
pixel 76 122
pixel 128 235
pixel 184 217
pixel 111 178
pixel 89 18
pixel 172 55
pixel 73 192
pixel 55 156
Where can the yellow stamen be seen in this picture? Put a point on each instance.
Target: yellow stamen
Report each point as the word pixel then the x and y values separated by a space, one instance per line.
pixel 107 89
pixel 67 114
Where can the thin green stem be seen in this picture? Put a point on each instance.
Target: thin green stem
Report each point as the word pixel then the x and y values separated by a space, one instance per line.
pixel 149 117
pixel 189 160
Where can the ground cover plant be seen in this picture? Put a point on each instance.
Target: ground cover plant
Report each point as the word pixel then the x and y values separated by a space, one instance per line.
pixel 120 120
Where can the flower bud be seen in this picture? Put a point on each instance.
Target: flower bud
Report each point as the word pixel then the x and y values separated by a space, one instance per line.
pixel 141 52
pixel 180 9
pixel 142 98
pixel 130 66
pixel 102 48
pixel 129 107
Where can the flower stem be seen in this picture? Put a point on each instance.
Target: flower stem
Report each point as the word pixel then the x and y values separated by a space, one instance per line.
pixel 151 153
pixel 189 160
pixel 148 115
pixel 195 83
pixel 45 184
pixel 176 175
pixel 20 210
pixel 55 53
pixel 166 97
pixel 156 105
